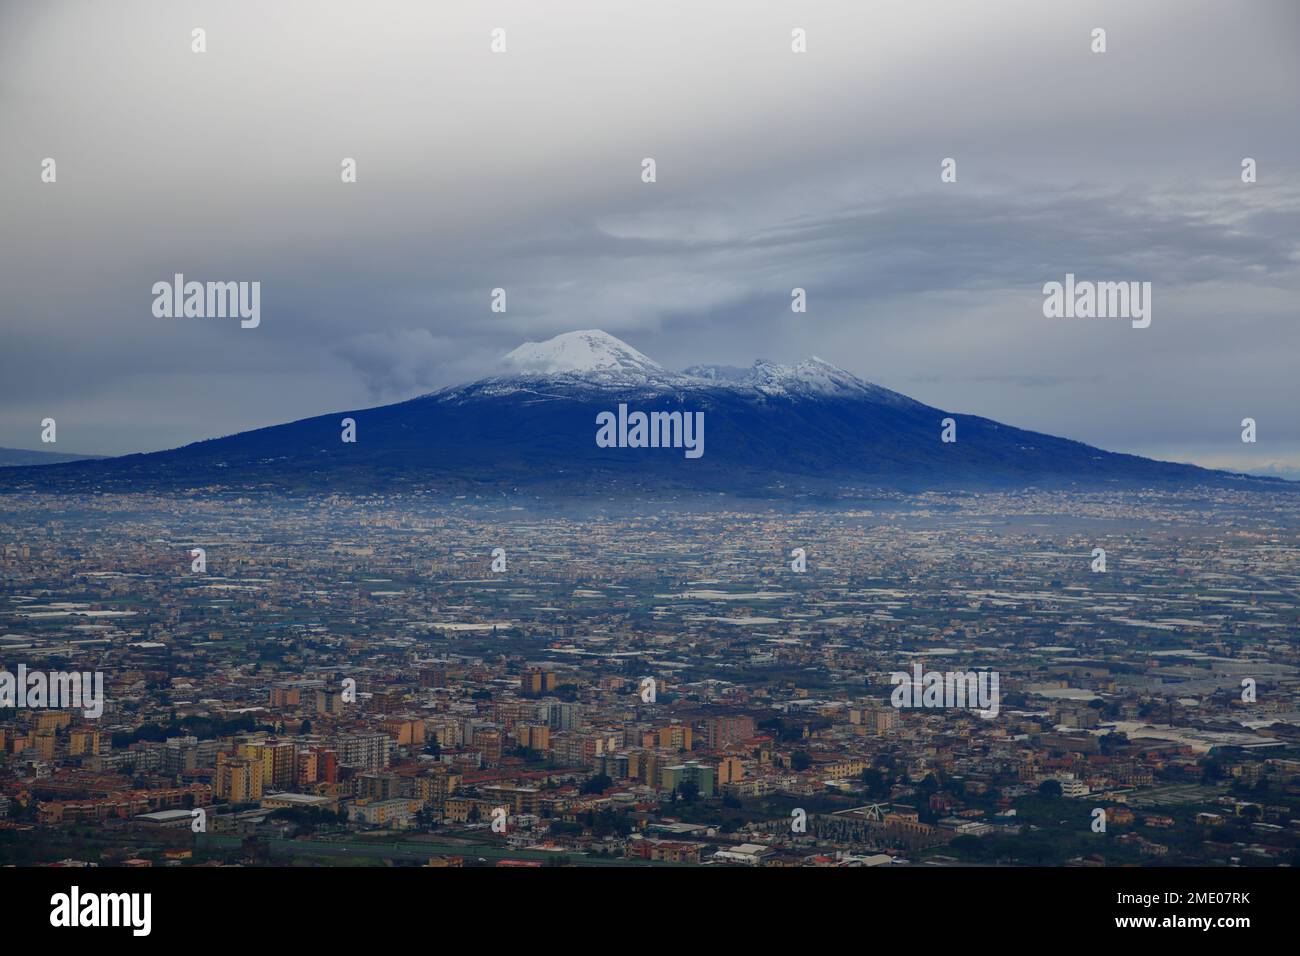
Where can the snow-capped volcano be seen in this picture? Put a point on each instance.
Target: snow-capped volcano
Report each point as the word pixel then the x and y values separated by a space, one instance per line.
pixel 774 431
pixel 593 357
pixel 588 358
pixel 582 353
pixel 812 377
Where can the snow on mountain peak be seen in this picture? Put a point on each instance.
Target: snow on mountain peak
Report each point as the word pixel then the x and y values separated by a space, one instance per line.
pixel 811 377
pixel 582 353
pixel 591 358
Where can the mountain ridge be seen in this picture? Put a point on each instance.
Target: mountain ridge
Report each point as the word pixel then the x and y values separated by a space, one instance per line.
pixel 25 458
pixel 772 431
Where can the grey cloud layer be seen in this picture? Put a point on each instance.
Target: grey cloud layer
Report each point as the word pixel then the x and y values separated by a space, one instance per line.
pixel 775 171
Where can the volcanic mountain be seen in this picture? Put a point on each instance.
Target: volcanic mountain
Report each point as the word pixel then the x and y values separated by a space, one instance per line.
pixel 771 431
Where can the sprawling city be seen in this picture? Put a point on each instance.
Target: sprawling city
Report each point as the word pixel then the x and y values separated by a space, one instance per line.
pixel 463 465
pixel 407 682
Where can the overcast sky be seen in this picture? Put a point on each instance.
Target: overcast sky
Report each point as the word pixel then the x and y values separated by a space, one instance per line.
pixel 775 170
